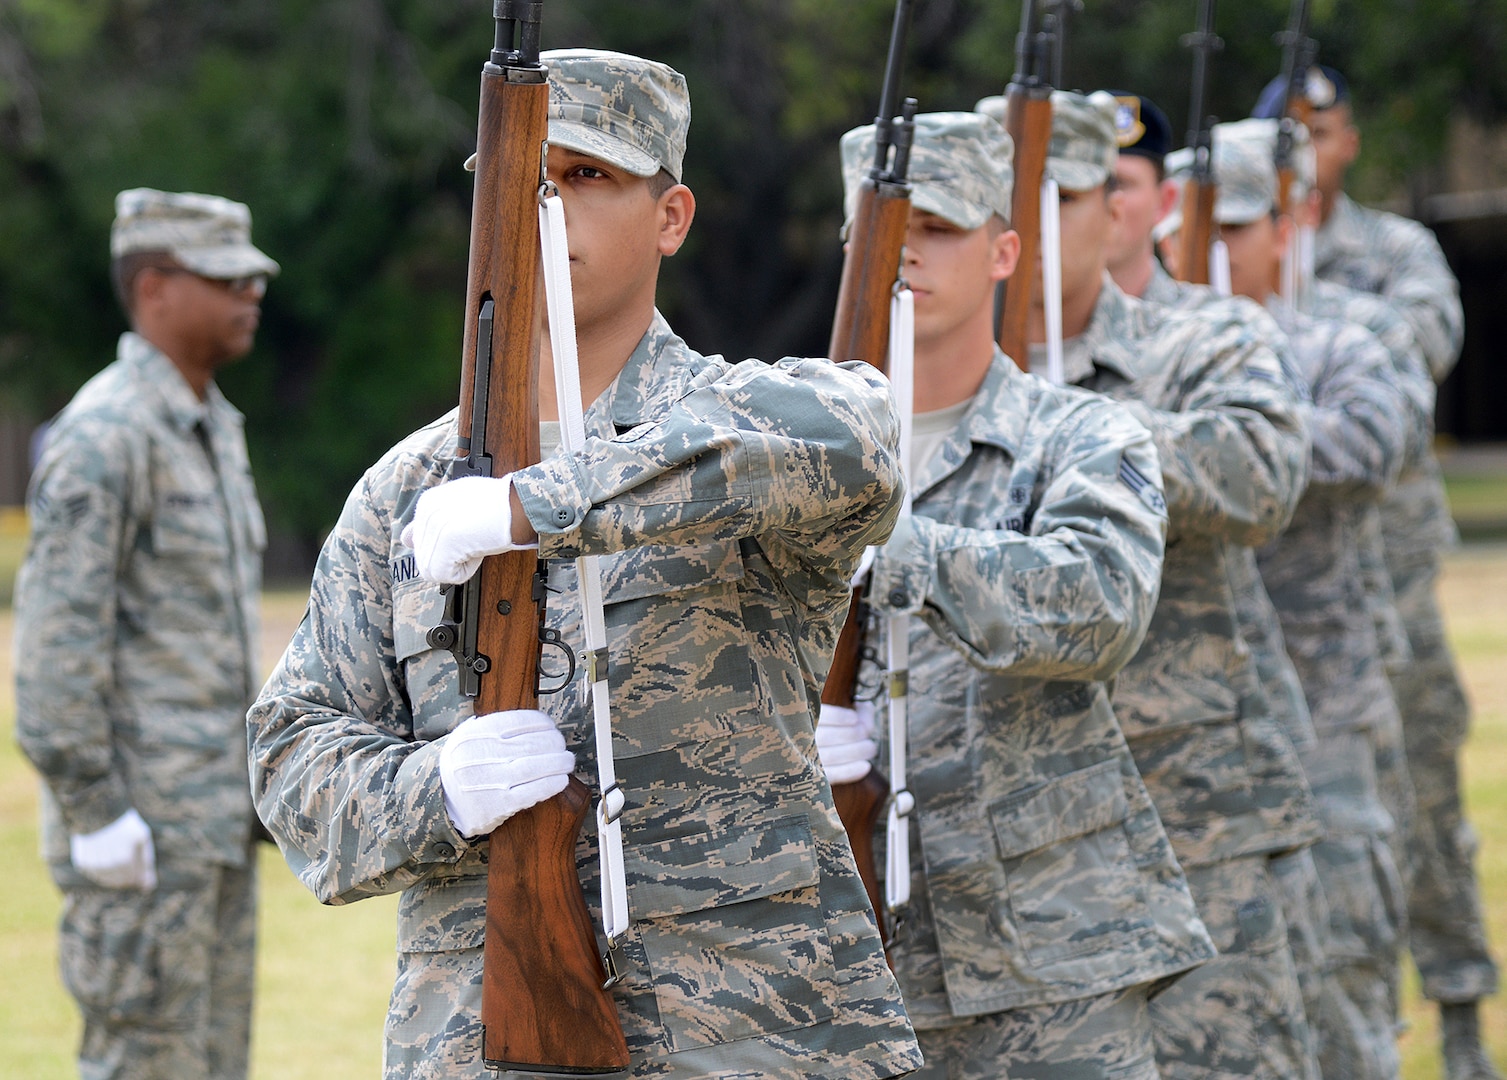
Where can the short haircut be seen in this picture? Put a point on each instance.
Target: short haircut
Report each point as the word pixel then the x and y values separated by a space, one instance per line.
pixel 124 270
pixel 660 183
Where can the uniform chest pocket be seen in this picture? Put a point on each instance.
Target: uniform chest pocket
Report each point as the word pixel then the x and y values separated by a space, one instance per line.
pixel 430 675
pixel 188 522
pixel 1071 877
pixel 732 926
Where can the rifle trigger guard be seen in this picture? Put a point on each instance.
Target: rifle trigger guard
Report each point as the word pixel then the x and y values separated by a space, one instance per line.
pixel 551 638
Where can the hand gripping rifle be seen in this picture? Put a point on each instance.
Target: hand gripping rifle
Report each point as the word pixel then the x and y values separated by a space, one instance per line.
pixel 544 1006
pixel 1028 119
pixel 861 331
pixel 1200 190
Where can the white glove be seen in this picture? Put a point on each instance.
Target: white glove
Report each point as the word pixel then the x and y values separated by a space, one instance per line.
pixel 494 765
pixel 845 741
pixel 458 523
pixel 119 856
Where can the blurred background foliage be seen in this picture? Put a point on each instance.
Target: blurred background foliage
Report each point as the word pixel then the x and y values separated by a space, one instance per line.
pixel 343 124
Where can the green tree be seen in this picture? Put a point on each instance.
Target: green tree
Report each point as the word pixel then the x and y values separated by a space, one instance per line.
pixel 343 124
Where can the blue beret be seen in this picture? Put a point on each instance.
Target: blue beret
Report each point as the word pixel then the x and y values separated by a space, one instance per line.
pixel 1141 128
pixel 1324 88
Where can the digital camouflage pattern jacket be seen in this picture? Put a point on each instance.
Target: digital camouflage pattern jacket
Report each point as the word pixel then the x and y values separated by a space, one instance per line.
pixel 136 616
pixel 1233 448
pixel 1042 873
pixel 730 503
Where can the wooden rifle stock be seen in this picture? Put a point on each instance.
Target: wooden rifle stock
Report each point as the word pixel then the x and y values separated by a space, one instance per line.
pixel 861 331
pixel 860 802
pixel 861 327
pixel 1197 232
pixel 544 1007
pixel 1201 189
pixel 1028 119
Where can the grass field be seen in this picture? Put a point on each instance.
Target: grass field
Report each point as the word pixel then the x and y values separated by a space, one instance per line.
pixel 323 973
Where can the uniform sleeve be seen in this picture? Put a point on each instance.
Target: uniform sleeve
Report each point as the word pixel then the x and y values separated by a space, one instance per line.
pixel 336 772
pixel 1423 290
pixel 1360 415
pixel 1070 599
pixel 66 610
pixel 1417 385
pixel 799 455
pixel 1231 439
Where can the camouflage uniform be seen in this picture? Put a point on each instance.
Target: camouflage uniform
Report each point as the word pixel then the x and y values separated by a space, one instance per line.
pixel 1399 260
pixel 730 504
pixel 1046 895
pixel 1046 898
pixel 1360 423
pixel 1223 774
pixel 1325 299
pixel 136 619
pixel 1294 872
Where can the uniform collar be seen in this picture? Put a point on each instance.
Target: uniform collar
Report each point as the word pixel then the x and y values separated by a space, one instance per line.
pixel 992 419
pixel 1342 230
pixel 656 374
pixel 1115 325
pixel 162 378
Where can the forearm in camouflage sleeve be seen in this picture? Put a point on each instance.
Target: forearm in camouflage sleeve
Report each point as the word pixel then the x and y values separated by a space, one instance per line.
pixel 1234 453
pixel 1070 600
pixel 65 622
pixel 335 771
pixel 1424 292
pixel 1360 417
pixel 799 454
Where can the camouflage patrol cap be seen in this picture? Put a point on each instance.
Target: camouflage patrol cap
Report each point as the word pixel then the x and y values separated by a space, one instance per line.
pixel 624 110
pixel 1084 147
pixel 961 167
pixel 206 234
pixel 1243 168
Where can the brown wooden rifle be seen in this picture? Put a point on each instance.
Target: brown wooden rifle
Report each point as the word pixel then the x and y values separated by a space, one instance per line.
pixel 544 1004
pixel 1200 190
pixel 1028 119
pixel 861 331
pixel 1297 57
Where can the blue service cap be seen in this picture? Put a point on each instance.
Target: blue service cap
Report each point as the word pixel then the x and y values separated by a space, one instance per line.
pixel 1324 88
pixel 1141 128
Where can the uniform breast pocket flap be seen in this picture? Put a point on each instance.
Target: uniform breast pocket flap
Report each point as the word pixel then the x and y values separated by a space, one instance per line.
pixel 417 607
pixel 663 570
pixel 189 523
pixel 732 925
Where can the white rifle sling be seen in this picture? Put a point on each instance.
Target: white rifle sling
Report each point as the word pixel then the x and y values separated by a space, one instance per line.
pixel 1219 268
pixel 1289 274
pixel 562 336
pixel 1305 274
pixel 902 368
pixel 1051 279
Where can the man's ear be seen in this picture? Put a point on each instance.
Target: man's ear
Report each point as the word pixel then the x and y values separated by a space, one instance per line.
pixel 676 209
pixel 1350 140
pixel 1114 202
pixel 1168 195
pixel 1006 254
